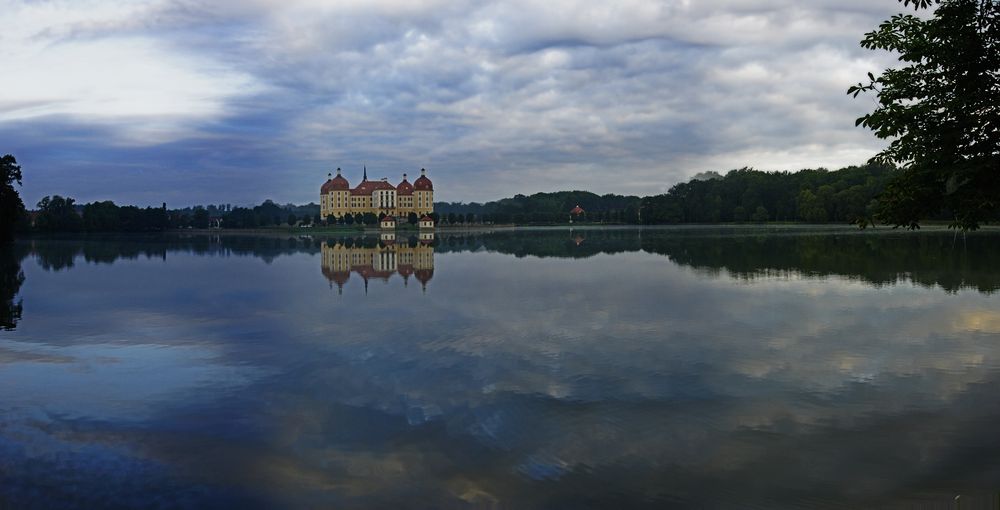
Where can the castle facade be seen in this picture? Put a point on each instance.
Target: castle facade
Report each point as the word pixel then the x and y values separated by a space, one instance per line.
pixel 337 197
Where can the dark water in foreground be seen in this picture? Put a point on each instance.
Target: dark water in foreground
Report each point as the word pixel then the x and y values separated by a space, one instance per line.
pixel 707 368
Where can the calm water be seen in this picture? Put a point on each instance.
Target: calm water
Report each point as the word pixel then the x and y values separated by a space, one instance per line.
pixel 706 368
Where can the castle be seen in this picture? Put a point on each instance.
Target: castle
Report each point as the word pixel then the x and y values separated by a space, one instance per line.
pixel 338 199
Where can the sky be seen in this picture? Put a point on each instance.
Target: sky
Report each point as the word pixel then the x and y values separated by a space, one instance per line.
pixel 235 101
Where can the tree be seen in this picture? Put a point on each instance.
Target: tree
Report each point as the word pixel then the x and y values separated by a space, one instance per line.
pixel 412 218
pixel 58 214
pixel 760 214
pixel 11 207
pixel 811 208
pixel 739 214
pixel 101 217
pixel 940 110
pixel 200 217
pixel 292 219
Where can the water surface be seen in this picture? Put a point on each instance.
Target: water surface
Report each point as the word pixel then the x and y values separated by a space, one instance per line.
pixel 551 368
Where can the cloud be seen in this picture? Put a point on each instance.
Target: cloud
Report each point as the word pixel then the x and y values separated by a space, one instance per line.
pixel 494 98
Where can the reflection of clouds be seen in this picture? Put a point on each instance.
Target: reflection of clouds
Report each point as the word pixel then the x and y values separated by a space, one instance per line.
pixel 8 355
pixel 522 380
pixel 980 321
pixel 793 338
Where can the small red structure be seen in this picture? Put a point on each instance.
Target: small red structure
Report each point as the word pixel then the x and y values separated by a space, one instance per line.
pixel 576 211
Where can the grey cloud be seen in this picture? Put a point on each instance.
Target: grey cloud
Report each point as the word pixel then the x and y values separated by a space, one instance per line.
pixel 502 97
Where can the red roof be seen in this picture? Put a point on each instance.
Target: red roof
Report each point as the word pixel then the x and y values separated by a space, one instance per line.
pixel 369 187
pixel 338 277
pixel 576 210
pixel 424 275
pixel 388 218
pixel 404 188
pixel 427 218
pixel 367 272
pixel 423 183
pixel 337 183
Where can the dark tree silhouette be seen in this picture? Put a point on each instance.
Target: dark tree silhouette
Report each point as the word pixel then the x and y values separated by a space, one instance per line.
pixel 940 110
pixel 11 207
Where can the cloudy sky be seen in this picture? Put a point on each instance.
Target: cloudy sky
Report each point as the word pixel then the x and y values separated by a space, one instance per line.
pixel 186 101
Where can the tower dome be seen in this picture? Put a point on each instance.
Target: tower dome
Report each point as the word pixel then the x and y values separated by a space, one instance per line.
pixel 423 183
pixel 404 188
pixel 338 183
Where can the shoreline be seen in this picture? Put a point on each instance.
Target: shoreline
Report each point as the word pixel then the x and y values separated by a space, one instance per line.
pixel 340 231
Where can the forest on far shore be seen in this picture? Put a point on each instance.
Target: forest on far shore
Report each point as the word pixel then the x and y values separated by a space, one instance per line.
pixel 848 195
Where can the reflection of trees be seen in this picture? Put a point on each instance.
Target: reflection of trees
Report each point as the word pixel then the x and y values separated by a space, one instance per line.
pixel 927 258
pixel 11 278
pixel 61 254
pixel 545 243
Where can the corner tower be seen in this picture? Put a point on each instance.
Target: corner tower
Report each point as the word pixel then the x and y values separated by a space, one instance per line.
pixel 423 194
pixel 333 196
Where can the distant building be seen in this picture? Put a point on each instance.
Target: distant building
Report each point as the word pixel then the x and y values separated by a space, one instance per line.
pixel 426 222
pixel 388 222
pixel 576 211
pixel 337 198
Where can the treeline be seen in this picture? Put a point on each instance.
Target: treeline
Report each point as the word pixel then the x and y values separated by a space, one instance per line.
pixel 266 214
pixel 62 214
pixel 544 208
pixel 847 195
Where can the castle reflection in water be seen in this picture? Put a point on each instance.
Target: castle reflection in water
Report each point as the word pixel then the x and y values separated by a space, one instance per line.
pixel 381 259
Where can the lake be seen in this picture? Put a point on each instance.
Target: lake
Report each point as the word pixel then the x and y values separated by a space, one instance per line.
pixel 747 367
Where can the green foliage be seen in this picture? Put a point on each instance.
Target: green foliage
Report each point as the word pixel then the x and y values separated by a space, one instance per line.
pixel 544 208
pixel 58 214
pixel 101 217
pixel 200 218
pixel 11 207
pixel 108 217
pixel 813 196
pixel 760 214
pixel 241 217
pixel 292 220
pixel 939 109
